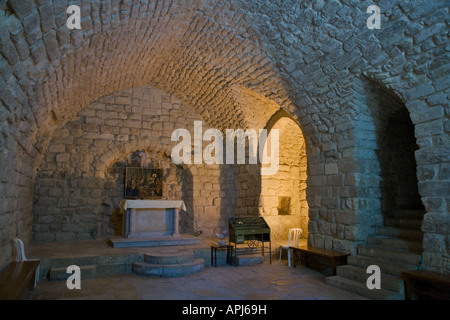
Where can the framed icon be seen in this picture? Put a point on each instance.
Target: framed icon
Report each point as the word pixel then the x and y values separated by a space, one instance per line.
pixel 141 183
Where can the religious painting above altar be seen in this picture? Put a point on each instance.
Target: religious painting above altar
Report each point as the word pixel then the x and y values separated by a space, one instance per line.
pixel 142 183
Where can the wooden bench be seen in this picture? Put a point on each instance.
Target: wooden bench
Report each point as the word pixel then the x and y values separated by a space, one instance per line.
pixel 426 284
pixel 16 277
pixel 311 257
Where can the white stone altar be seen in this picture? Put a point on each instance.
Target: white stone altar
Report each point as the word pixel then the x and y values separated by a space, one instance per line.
pixel 151 218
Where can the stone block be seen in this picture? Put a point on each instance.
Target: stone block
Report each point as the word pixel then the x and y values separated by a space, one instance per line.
pixel 346 217
pixel 429 128
pixel 434 243
pixel 432 113
pixel 426 173
pixel 47 17
pixel 433 155
pixel 420 91
pixel 123 100
pixel 60 273
pixel 436 223
pixel 331 168
pixel 8 49
pixel 444 171
pixel 434 188
pixel 57 148
pixel 22 8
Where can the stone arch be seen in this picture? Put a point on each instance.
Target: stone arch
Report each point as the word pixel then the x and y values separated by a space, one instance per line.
pixel 103 160
pixel 385 149
pixel 178 185
pixel 90 149
pixel 283 200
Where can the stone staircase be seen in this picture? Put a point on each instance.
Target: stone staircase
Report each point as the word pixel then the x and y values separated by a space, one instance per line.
pixel 168 264
pixel 96 260
pixel 396 247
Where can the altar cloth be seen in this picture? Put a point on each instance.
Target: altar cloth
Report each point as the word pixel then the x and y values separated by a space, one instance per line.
pixel 147 218
pixel 152 204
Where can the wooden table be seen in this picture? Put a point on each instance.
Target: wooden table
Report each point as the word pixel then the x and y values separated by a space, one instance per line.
pixel 426 283
pixel 17 276
pixel 253 230
pixel 308 256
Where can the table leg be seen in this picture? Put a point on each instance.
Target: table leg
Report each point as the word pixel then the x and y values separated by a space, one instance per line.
pixel 176 217
pixel 212 256
pixel 270 250
pixel 262 244
pixel 215 257
pixel 333 266
pixel 408 289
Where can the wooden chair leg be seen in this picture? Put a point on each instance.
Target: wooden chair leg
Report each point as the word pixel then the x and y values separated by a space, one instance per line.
pixel 281 250
pixel 289 257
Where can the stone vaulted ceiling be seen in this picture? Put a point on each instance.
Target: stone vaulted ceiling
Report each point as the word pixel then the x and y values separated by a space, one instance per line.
pixel 195 50
pixel 292 52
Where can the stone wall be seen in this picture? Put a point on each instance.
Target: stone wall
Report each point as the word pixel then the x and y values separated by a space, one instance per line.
pixel 80 183
pixel 289 182
pixel 407 57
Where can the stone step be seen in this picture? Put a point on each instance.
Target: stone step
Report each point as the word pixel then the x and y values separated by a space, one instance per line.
pixel 396 243
pixel 168 270
pixel 120 242
pixel 388 254
pixel 167 258
pixel 407 234
pixel 409 214
pixel 245 250
pixel 388 282
pixel 249 260
pixel 403 223
pixel 387 267
pixel 60 273
pixel 361 289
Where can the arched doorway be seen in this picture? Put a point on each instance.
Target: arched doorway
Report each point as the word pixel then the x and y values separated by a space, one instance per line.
pixel 401 202
pixel 395 146
pixel 283 195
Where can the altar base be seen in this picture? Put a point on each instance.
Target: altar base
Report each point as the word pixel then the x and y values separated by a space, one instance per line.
pixel 183 239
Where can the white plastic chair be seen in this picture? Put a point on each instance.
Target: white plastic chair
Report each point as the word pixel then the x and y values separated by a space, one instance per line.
pixel 20 256
pixel 293 240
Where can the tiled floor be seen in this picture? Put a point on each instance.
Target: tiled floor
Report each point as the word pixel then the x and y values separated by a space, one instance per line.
pixel 260 282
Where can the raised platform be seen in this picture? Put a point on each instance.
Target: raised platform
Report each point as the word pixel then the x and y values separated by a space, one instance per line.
pixel 99 257
pixel 184 239
pixel 174 263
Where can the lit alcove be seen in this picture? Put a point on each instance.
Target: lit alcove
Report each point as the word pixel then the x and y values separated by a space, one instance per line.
pixel 283 195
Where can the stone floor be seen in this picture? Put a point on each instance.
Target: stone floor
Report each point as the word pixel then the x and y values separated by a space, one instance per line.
pixel 259 282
